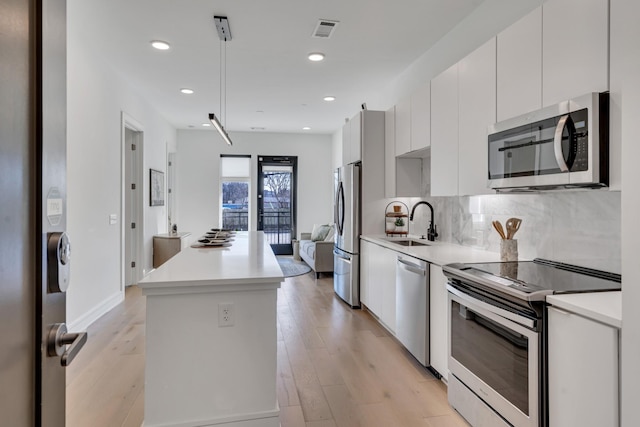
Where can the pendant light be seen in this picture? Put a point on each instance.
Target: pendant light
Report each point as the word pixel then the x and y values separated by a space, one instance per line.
pixel 224 33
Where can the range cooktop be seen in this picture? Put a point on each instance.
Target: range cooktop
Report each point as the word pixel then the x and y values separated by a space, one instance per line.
pixel 533 280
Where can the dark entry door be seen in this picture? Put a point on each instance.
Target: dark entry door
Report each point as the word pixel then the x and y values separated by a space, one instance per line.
pixel 34 250
pixel 277 184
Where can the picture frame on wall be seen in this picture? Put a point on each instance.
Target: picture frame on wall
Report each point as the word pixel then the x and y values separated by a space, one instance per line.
pixel 156 188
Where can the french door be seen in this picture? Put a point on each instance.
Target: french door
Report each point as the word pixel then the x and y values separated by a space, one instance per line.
pixel 277 185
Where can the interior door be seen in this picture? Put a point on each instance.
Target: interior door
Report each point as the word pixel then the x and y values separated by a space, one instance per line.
pixel 17 204
pixel 277 209
pixel 34 250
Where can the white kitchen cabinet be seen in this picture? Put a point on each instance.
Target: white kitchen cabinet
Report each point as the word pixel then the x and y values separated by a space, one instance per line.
pixel 390 153
pixel 583 371
pixel 352 140
pixel 421 117
pixel 365 272
pixel 477 110
pixel 438 320
pixel 519 66
pixel 413 121
pixel 346 143
pixel 402 175
pixel 444 133
pixel 575 49
pixel 378 282
pixel 403 126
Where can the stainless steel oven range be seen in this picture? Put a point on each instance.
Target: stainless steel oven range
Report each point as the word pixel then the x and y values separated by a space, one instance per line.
pixel 497 336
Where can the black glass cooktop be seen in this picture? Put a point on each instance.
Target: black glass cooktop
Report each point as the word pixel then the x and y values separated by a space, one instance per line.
pixel 544 275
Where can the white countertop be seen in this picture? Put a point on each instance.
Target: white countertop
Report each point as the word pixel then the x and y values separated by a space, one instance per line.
pixel 605 307
pixel 249 260
pixel 439 253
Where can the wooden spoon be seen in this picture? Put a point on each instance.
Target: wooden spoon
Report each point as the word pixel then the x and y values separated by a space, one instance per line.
pixel 513 225
pixel 498 226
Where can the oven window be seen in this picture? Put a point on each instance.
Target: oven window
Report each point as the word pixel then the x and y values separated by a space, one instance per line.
pixel 493 353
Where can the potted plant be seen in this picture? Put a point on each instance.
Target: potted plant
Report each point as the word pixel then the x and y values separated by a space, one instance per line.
pixel 399 224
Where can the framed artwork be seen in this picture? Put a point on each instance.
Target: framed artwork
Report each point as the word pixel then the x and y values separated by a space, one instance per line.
pixel 156 188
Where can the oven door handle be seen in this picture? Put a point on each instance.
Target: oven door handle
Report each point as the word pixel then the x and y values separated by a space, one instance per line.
pixel 483 308
pixel 557 142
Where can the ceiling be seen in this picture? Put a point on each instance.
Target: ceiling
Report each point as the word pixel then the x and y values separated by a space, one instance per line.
pixel 271 86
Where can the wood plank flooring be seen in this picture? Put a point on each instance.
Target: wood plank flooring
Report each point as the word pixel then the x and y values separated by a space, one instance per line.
pixel 337 367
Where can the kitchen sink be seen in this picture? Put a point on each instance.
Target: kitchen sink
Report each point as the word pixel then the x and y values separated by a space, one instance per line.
pixel 407 242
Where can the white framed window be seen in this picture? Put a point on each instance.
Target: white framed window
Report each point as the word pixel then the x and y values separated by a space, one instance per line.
pixel 235 192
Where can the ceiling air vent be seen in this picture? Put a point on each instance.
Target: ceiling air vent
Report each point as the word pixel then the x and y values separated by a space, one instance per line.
pixel 324 29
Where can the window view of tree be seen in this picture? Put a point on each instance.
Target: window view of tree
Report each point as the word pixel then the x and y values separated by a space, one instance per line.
pixel 235 205
pixel 278 187
pixel 235 193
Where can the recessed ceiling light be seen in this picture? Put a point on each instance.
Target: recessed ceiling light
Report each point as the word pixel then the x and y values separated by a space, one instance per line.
pixel 160 45
pixel 316 56
pixel 206 125
pixel 329 98
pixel 306 128
pixel 186 91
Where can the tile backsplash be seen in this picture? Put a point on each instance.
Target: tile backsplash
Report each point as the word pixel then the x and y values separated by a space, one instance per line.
pixel 581 227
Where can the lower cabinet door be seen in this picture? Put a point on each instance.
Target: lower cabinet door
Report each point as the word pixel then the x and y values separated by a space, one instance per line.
pixel 583 371
pixel 438 321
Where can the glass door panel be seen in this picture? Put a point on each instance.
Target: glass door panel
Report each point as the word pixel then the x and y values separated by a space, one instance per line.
pixel 277 201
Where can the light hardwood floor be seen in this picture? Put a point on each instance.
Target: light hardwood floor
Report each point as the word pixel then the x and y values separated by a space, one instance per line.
pixel 336 367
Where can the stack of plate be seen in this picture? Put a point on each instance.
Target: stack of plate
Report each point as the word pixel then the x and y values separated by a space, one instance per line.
pixel 217 237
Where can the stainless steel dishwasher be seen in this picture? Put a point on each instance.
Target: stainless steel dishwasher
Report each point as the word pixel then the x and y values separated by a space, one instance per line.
pixel 412 302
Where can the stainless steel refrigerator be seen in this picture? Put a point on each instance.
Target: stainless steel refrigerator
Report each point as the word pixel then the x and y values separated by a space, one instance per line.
pixel 346 253
pixel 34 249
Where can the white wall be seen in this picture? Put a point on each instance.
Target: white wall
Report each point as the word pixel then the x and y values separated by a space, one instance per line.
pixel 198 190
pixel 97 96
pixel 625 96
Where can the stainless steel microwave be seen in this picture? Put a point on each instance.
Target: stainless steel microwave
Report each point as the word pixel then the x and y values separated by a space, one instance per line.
pixel 560 146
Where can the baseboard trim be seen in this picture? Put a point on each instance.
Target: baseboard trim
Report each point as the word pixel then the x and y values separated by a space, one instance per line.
pixel 83 322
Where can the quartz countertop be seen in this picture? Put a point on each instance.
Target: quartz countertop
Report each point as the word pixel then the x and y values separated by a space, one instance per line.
pixel 604 307
pixel 439 253
pixel 249 260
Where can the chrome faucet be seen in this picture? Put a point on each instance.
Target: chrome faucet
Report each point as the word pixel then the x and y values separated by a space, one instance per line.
pixel 432 233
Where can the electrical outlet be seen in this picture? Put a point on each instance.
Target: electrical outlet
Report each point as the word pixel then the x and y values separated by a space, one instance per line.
pixel 225 314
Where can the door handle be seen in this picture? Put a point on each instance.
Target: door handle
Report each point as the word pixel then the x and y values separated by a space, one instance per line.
pixel 414 268
pixel 58 338
pixel 348 260
pixel 557 143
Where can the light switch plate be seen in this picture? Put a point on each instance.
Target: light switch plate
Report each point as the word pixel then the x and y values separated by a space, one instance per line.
pixel 113 219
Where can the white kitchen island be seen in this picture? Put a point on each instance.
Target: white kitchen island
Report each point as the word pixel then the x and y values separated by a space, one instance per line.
pixel 211 342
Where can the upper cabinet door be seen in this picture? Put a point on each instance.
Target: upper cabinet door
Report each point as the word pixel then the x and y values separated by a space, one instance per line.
pixel 390 153
pixel 403 126
pixel 477 95
pixel 346 143
pixel 519 66
pixel 444 133
pixel 421 117
pixel 575 47
pixel 356 137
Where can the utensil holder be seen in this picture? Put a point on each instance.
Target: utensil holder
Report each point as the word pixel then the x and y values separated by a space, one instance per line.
pixel 508 250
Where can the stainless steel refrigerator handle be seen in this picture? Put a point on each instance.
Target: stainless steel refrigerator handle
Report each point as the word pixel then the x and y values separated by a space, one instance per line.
pixel 58 338
pixel 341 212
pixel 414 268
pixel 557 143
pixel 342 257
